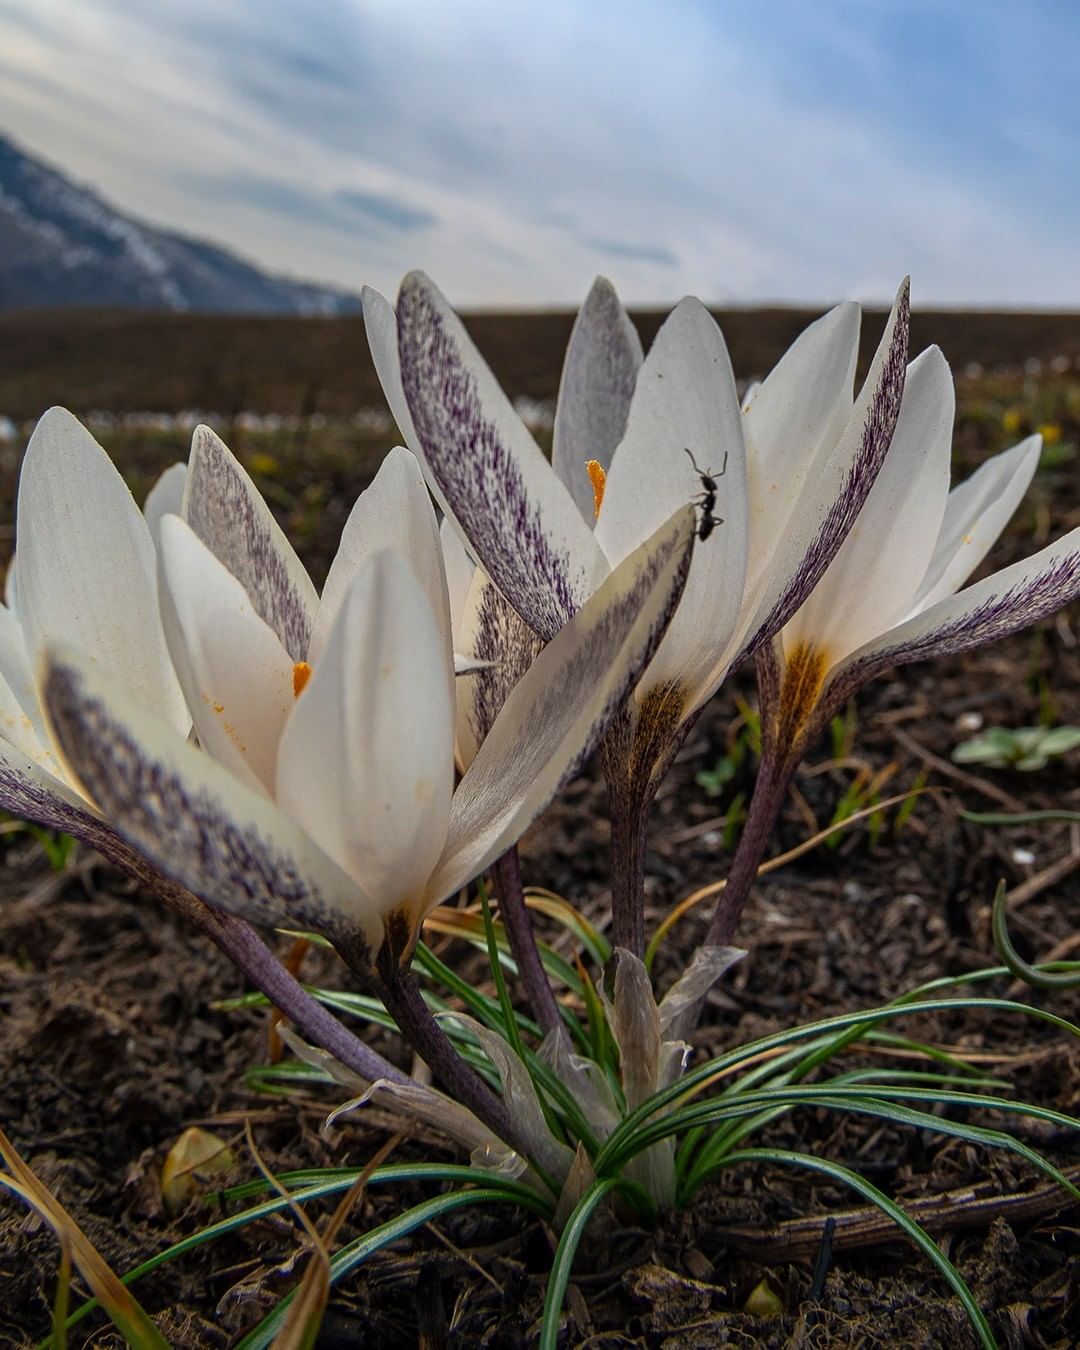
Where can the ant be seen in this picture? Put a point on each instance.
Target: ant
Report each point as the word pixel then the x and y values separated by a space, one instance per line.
pixel 707 499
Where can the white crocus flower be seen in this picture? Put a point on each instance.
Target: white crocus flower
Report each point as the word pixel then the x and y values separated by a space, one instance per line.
pixel 799 463
pixel 323 793
pixel 85 575
pixel 892 594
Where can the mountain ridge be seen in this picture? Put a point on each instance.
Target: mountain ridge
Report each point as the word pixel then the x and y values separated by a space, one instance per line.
pixel 63 243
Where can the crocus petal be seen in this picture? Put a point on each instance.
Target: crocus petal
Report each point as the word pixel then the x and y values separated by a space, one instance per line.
pixel 18 730
pixel 504 646
pixel 1013 598
pixel 803 404
pixel 395 512
pixel 236 675
pixel 487 472
pixel 871 582
pixel 460 569
pixel 197 823
pixel 380 324
pixel 557 713
pixel 598 378
pixel 16 671
pixel 87 571
pixel 975 514
pixel 32 793
pixel 366 763
pixel 165 498
pixel 685 400
pixel 821 508
pixel 227 511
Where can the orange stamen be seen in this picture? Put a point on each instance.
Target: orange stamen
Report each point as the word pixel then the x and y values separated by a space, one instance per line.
pixel 598 479
pixel 301 673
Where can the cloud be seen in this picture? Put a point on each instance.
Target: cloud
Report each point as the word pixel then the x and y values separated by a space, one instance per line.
pixel 387 211
pixel 742 152
pixel 647 253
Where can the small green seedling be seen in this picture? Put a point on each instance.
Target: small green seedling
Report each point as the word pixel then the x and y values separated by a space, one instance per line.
pixel 1025 748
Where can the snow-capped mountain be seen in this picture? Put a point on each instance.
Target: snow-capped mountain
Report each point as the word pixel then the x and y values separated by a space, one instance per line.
pixel 62 244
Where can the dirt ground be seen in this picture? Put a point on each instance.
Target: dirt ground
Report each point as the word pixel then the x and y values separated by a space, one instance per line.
pixel 110 1045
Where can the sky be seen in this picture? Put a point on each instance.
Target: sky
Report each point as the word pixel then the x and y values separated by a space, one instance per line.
pixel 740 150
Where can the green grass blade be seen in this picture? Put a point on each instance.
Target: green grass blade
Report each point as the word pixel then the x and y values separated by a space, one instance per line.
pixel 699 1077
pixel 884 1108
pixel 356 1252
pixel 564 1258
pixel 1021 817
pixel 869 1192
pixel 1038 979
pixel 317 1184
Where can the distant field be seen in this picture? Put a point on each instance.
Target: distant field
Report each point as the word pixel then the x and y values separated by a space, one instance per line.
pixel 128 361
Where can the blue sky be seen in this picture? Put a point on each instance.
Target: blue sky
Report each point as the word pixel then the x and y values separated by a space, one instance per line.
pixel 746 150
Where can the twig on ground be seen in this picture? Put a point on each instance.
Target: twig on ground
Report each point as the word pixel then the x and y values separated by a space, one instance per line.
pixel 964 1209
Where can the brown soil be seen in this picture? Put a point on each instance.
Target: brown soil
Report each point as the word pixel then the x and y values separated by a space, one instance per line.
pixel 109 1048
pixel 131 361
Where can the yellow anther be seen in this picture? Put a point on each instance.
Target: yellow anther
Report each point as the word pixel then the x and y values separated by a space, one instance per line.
pixel 598 479
pixel 301 673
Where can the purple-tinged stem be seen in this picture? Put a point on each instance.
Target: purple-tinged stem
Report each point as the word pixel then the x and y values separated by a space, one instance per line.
pixel 787 705
pixel 247 951
pixel 254 959
pixel 773 778
pixel 506 873
pixel 639 749
pixel 629 808
pixel 403 1001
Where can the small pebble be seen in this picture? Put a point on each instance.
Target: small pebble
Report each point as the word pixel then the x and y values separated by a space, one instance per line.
pixel 853 892
pixel 1023 857
pixel 969 721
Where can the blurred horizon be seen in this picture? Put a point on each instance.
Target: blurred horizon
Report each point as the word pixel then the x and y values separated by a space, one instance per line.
pixel 751 153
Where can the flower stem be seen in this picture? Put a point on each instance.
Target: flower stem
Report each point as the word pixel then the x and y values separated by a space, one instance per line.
pixel 774 775
pixel 254 959
pixel 638 750
pixel 401 996
pixel 629 808
pixel 506 872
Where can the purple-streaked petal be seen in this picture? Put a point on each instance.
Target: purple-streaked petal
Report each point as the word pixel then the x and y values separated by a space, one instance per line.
pixel 825 505
pixel 494 635
pixel 487 472
pixel 557 713
pixel 191 818
pixel 870 584
pixel 29 792
pixel 975 514
pixel 227 511
pixel 598 378
pixel 1013 598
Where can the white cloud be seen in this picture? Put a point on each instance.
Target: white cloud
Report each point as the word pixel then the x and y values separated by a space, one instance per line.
pixel 524 147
